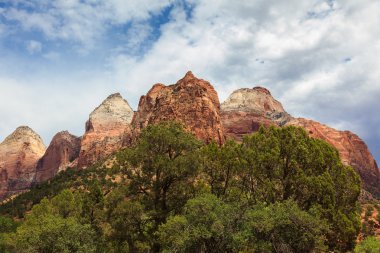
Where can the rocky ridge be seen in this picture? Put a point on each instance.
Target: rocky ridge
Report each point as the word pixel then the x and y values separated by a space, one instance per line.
pixel 62 151
pixel 191 101
pixel 105 130
pixel 245 110
pixel 19 154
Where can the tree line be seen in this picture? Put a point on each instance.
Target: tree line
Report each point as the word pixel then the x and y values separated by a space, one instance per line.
pixel 277 191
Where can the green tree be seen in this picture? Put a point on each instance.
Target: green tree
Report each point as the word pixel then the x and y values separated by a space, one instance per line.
pixel 92 211
pixel 205 226
pixel 128 222
pixel 221 165
pixel 7 225
pixel 284 227
pixel 161 170
pixel 285 163
pixel 67 204
pixel 369 245
pixel 208 224
pixel 45 231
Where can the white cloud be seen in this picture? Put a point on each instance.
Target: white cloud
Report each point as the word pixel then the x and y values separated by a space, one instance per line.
pixel 295 48
pixel 80 21
pixel 34 47
pixel 53 56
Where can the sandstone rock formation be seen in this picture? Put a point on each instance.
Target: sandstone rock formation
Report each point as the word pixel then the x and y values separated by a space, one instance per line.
pixel 63 149
pixel 191 101
pixel 105 130
pixel 247 109
pixel 19 154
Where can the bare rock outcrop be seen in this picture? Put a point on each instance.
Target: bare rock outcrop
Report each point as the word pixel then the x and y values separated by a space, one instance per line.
pixel 19 153
pixel 62 151
pixel 191 101
pixel 105 130
pixel 247 109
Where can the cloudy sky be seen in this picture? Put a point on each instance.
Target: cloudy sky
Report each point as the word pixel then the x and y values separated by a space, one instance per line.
pixel 60 58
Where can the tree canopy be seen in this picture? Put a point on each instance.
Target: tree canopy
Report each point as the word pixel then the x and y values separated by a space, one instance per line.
pixel 277 191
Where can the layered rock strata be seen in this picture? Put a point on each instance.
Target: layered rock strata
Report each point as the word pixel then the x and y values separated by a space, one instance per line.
pixel 246 110
pixel 191 101
pixel 105 130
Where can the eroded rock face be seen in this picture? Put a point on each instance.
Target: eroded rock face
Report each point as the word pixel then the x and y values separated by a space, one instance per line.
pixel 352 150
pixel 62 151
pixel 19 154
pixel 191 101
pixel 105 130
pixel 247 109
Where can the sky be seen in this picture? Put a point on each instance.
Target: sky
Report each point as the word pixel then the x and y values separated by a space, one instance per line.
pixel 59 59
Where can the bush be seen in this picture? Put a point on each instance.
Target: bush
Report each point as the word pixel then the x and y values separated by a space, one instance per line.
pixel 369 245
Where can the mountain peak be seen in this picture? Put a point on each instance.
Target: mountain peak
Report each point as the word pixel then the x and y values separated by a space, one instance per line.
pixel 19 153
pixel 113 109
pixel 257 99
pixel 262 89
pixel 114 96
pixel 190 101
pixel 23 134
pixel 105 129
pixel 189 75
pixel 63 149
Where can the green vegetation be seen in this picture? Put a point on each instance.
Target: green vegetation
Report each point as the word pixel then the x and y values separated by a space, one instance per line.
pixel 370 222
pixel 54 228
pixel 369 211
pixel 7 226
pixel 277 191
pixel 369 245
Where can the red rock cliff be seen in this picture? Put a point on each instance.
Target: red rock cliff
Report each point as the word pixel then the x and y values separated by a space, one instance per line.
pixel 63 149
pixel 191 101
pixel 105 130
pixel 247 109
pixel 19 154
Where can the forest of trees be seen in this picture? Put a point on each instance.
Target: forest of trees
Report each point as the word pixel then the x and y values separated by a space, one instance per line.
pixel 277 191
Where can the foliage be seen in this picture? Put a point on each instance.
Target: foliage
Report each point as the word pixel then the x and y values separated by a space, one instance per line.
pixel 277 191
pixel 210 225
pixel 368 245
pixel 68 179
pixel 161 170
pixel 280 164
pixel 369 211
pixel 7 225
pixel 53 228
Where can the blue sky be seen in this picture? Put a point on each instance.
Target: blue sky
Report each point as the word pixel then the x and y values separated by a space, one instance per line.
pixel 60 58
